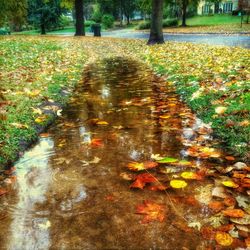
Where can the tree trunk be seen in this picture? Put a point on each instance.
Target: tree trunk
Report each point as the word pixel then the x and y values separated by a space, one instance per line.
pixel 156 34
pixel 79 18
pixel 43 31
pixel 128 20
pixel 121 13
pixel 184 13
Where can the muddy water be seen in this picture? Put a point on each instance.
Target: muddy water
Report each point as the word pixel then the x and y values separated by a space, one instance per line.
pixel 72 190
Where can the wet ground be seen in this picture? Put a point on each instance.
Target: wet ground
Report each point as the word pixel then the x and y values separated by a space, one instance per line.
pixel 98 178
pixel 211 39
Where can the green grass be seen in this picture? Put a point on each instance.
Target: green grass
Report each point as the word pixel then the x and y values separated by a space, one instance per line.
pixel 213 20
pixel 33 71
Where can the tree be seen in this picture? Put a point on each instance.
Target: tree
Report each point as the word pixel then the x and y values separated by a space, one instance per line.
pixel 156 34
pixel 78 7
pixel 44 14
pixel 80 29
pixel 128 7
pixel 13 13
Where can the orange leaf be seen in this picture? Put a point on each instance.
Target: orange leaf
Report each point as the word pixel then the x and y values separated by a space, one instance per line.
pixel 3 191
pixel 234 213
pixel 151 211
pixel 223 239
pixel 230 158
pixel 158 188
pixel 216 206
pixel 225 228
pixel 247 241
pixel 139 166
pixel 96 143
pixel 150 164
pixel 208 232
pixel 142 179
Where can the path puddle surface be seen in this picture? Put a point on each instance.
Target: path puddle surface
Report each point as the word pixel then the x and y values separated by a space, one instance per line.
pixel 74 190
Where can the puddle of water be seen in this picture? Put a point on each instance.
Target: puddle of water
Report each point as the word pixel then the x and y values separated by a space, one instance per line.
pixel 72 191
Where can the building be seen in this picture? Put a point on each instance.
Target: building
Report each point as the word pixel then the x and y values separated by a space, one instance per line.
pixel 225 6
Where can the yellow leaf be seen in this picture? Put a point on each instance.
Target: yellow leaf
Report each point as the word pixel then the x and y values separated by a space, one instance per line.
pixel 220 110
pixel 178 184
pixel 189 175
pixel 223 239
pixel 102 123
pixel 136 166
pixel 230 184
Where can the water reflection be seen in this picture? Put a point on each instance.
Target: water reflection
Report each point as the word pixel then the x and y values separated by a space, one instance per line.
pixel 29 227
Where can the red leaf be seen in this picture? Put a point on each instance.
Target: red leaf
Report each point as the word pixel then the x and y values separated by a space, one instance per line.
pixel 3 191
pixel 142 179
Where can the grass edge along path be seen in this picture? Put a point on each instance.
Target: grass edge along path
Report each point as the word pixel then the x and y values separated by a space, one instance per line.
pixel 217 90
pixel 37 78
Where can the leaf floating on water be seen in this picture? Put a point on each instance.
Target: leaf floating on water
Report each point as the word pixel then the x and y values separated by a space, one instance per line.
pixel 136 166
pixel 142 179
pixel 190 176
pixel 230 184
pixel 151 211
pixel 234 213
pixel 139 166
pixel 102 123
pixel 178 184
pixel 223 239
pixel 167 160
pixel 96 143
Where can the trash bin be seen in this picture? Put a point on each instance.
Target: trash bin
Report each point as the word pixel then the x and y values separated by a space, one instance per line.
pixel 96 28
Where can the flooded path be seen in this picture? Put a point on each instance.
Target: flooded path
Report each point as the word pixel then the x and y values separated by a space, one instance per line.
pixel 78 188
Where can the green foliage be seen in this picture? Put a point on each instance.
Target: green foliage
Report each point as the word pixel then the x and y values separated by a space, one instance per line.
pixel 97 14
pixel 45 14
pixel 64 21
pixel 143 25
pixel 170 22
pixel 88 23
pixel 108 21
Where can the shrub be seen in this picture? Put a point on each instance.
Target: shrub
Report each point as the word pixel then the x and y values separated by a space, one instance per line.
pixel 108 21
pixel 3 31
pixel 97 14
pixel 170 22
pixel 64 21
pixel 143 25
pixel 88 23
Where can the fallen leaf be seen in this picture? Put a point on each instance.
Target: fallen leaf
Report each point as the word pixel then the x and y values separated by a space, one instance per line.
pixel 223 239
pixel 96 143
pixel 216 206
pixel 167 160
pixel 234 213
pixel 220 110
pixel 178 184
pixel 139 166
pixel 142 179
pixel 230 184
pixel 151 211
pixel 190 176
pixel 3 191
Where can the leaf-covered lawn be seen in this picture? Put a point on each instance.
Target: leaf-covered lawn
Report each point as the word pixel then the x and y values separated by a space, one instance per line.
pixel 214 81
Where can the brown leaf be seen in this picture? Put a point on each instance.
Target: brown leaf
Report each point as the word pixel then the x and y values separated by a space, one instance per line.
pixel 151 211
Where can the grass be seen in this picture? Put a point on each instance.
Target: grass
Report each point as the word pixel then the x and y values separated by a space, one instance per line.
pixel 213 20
pixel 32 72
pixel 36 70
